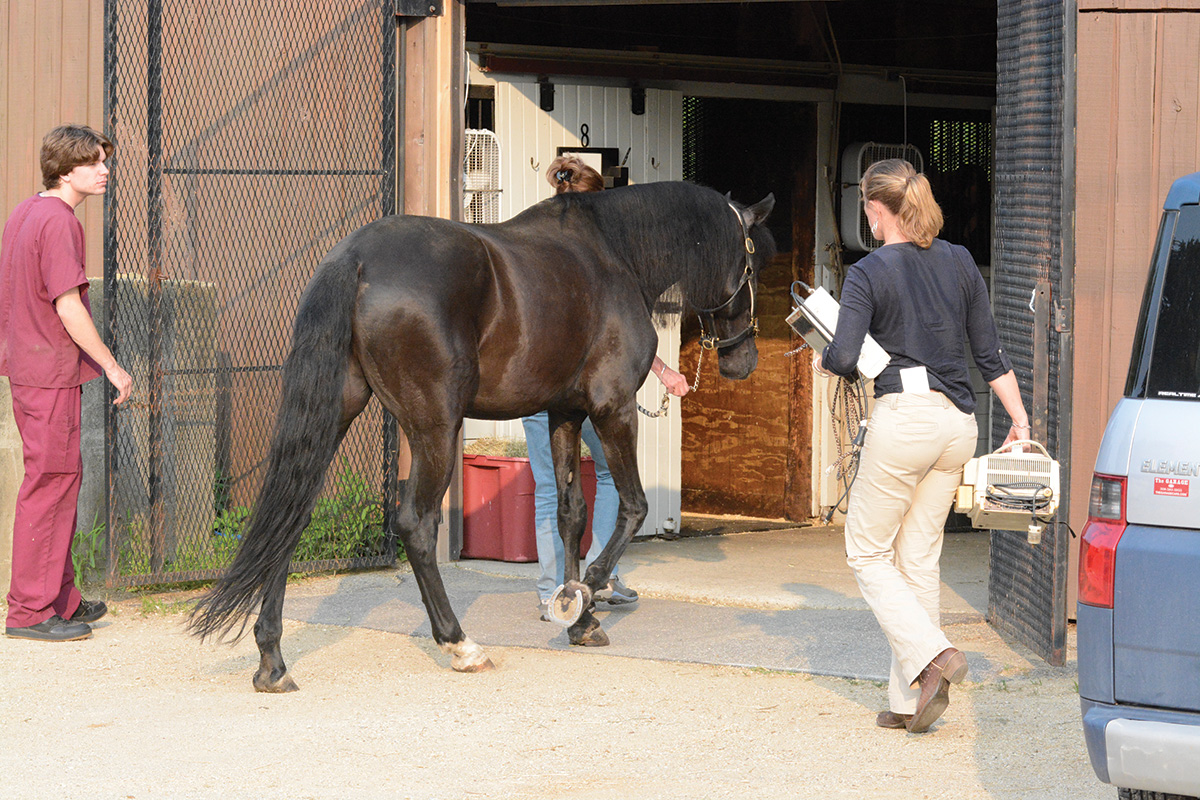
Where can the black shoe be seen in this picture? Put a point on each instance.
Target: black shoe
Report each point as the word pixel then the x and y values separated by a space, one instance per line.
pixel 55 629
pixel 89 611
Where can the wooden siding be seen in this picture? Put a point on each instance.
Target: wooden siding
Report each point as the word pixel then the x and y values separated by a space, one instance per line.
pixel 51 72
pixel 653 143
pixel 1138 5
pixel 52 53
pixel 1138 130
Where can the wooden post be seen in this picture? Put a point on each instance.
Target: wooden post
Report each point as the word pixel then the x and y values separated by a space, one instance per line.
pixel 431 131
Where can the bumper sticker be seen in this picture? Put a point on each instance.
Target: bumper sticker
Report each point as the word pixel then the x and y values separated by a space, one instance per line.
pixel 1171 487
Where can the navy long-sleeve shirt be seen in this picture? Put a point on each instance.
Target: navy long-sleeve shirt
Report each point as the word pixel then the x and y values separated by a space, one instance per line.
pixel 921 306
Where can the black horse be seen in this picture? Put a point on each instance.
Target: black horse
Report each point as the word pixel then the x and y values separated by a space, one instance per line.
pixel 443 320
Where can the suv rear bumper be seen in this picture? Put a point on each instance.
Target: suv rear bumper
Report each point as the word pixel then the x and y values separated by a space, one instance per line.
pixel 1143 748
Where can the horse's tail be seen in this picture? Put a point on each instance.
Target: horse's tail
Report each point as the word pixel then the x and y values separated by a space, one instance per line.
pixel 305 439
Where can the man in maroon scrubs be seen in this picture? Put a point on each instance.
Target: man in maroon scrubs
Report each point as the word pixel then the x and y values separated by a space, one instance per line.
pixel 48 348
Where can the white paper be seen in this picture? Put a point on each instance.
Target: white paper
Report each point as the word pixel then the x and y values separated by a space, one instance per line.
pixel 915 379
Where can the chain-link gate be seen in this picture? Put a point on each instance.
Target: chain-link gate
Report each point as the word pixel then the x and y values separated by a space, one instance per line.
pixel 250 137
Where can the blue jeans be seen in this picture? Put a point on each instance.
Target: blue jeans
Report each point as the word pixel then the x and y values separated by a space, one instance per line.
pixel 545 499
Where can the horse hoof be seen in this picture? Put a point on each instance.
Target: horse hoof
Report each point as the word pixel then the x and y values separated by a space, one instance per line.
pixel 281 685
pixel 484 666
pixel 566 605
pixel 466 656
pixel 592 637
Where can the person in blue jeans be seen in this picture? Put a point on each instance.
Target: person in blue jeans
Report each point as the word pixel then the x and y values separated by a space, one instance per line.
pixel 604 512
pixel 604 509
pixel 570 174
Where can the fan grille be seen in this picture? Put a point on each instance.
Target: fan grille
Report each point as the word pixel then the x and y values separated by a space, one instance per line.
pixel 481 178
pixel 871 153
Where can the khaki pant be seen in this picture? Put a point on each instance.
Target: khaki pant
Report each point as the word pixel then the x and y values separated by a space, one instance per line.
pixel 911 464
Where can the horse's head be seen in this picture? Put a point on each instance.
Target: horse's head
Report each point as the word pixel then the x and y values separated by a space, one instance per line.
pixel 731 327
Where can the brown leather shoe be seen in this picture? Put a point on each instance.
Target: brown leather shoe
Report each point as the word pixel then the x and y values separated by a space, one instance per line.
pixel 890 719
pixel 950 666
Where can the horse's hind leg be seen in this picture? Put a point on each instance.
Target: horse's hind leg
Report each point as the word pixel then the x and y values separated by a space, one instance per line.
pixel 272 672
pixel 272 675
pixel 428 479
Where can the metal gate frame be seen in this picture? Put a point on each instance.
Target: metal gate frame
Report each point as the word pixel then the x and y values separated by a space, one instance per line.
pixel 183 385
pixel 1032 291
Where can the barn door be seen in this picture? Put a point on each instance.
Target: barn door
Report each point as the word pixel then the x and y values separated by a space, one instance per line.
pixel 250 138
pixel 1028 584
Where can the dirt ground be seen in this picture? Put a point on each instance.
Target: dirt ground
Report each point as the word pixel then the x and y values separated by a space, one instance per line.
pixel 143 711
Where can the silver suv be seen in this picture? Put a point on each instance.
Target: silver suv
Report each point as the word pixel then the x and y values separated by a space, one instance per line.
pixel 1139 561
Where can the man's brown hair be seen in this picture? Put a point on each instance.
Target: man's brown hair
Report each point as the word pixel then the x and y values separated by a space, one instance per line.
pixel 70 146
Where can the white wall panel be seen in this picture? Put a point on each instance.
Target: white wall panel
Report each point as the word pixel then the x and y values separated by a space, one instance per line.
pixel 529 138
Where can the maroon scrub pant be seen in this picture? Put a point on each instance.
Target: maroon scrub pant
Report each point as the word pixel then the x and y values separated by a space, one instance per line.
pixel 43 577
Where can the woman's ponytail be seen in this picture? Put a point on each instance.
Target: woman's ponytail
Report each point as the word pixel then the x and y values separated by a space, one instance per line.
pixel 908 195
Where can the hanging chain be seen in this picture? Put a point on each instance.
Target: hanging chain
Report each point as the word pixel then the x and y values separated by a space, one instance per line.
pixel 696 380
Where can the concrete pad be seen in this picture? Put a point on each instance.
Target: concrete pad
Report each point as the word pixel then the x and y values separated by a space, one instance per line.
pixel 780 600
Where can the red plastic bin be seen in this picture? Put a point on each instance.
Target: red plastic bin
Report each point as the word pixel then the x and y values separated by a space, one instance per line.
pixel 498 508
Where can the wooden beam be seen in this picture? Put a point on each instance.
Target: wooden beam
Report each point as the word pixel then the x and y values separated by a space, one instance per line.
pixel 432 122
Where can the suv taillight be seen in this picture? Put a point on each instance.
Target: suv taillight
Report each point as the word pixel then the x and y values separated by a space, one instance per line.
pixel 1098 547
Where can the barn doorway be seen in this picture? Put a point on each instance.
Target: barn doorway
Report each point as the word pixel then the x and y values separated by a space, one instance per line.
pixel 746 445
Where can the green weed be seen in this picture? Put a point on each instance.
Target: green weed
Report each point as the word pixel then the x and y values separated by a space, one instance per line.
pixel 86 549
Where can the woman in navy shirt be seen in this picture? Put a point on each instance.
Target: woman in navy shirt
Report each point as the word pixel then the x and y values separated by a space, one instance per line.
pixel 920 298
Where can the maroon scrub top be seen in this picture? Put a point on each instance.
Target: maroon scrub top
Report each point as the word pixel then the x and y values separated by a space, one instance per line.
pixel 41 257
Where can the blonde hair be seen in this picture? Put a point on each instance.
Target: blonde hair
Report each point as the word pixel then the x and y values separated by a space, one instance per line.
pixel 907 194
pixel 70 146
pixel 570 174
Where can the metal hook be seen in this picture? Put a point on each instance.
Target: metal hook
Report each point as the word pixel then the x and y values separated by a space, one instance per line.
pixel 653 162
pixel 533 166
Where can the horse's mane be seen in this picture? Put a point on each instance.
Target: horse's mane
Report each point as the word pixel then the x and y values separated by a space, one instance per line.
pixel 664 233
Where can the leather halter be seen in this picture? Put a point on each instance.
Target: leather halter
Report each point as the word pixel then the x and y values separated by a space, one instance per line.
pixel 709 341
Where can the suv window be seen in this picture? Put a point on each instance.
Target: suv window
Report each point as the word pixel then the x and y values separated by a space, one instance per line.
pixel 1169 323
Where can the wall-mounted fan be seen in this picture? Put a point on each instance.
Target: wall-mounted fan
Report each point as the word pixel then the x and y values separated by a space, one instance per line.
pixel 481 177
pixel 856 233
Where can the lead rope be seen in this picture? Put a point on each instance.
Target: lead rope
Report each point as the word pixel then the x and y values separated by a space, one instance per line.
pixel 666 398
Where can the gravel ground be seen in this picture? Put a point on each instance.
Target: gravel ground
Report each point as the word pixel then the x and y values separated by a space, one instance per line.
pixel 143 711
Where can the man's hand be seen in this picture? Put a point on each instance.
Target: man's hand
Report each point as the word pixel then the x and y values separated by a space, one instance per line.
pixel 121 380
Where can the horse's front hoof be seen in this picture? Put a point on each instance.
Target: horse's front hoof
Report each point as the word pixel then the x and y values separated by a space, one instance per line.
pixel 588 634
pixel 264 683
pixel 568 602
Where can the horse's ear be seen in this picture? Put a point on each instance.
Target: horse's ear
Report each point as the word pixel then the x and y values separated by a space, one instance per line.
pixel 757 213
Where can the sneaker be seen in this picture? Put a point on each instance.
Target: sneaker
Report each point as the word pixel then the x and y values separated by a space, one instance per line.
pixel 616 593
pixel 89 611
pixel 544 610
pixel 55 629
